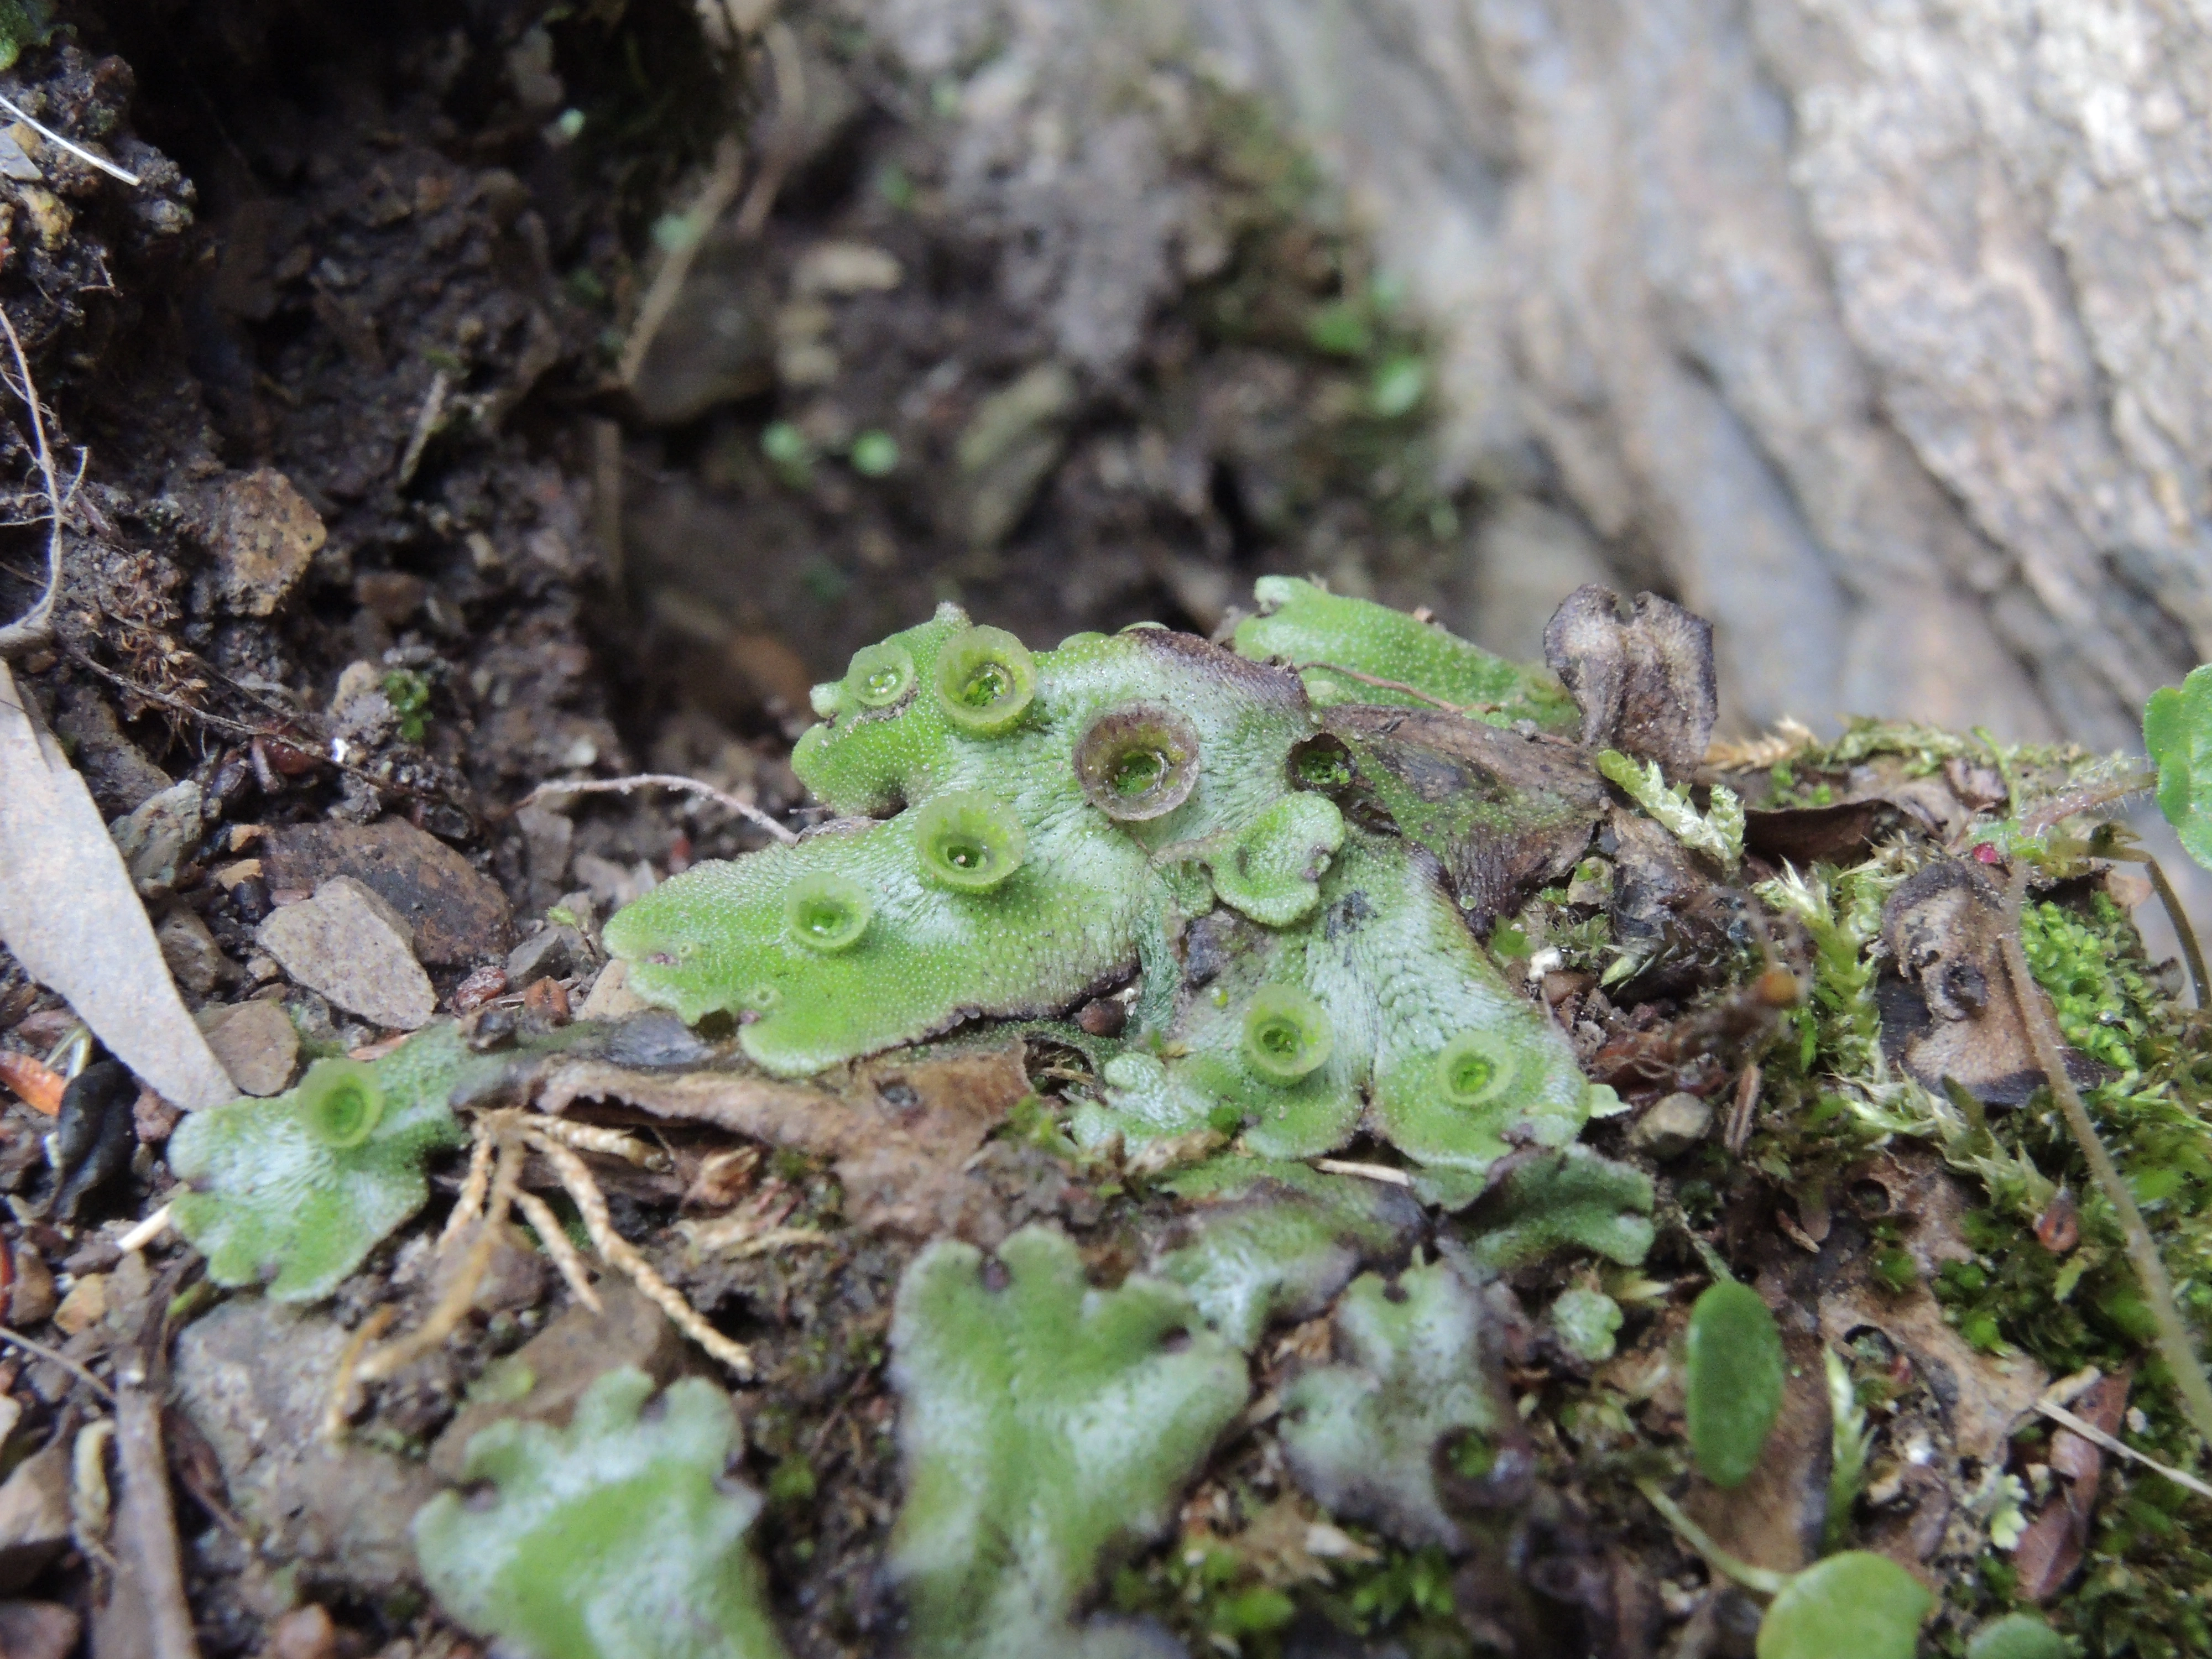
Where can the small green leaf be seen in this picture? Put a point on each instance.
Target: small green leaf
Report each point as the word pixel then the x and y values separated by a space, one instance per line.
pixel 874 455
pixel 2178 733
pixel 1587 1322
pixel 1734 1382
pixel 1852 1605
pixel 2016 1636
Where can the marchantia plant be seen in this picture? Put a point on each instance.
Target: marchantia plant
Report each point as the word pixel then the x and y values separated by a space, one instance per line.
pixel 1017 831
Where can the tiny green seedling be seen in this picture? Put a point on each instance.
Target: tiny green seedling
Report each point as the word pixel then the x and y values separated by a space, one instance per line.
pixel 2177 733
pixel 1735 1381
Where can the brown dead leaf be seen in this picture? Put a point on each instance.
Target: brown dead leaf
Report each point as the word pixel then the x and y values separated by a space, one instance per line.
pixel 900 1131
pixel 1945 1010
pixel 69 912
pixel 2055 1541
pixel 1643 675
pixel 1502 811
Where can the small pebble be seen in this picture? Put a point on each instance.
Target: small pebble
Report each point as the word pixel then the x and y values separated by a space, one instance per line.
pixel 349 944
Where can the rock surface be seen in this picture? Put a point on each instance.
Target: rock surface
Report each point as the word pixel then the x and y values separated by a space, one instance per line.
pixel 351 947
pixel 257 1043
pixel 457 915
pixel 34 1516
pixel 264 536
pixel 1878 335
pixel 254 1378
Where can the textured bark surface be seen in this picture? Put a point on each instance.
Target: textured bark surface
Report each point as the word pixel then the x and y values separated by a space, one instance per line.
pixel 1879 334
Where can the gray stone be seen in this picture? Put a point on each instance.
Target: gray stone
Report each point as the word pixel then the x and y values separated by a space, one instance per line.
pixel 551 953
pixel 155 836
pixel 254 1378
pixel 1670 1126
pixel 34 1516
pixel 352 947
pixel 119 775
pixel 550 1372
pixel 257 1043
pixel 191 951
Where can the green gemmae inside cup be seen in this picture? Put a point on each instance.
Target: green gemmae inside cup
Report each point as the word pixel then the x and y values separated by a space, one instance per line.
pixel 826 912
pixel 340 1102
pixel 985 679
pixel 1474 1067
pixel 1287 1033
pixel 969 841
pixel 1138 762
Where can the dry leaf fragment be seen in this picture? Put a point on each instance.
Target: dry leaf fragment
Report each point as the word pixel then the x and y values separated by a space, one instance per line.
pixel 69 913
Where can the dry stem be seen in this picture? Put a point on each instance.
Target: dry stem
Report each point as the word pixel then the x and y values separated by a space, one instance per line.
pixel 743 809
pixel 36 626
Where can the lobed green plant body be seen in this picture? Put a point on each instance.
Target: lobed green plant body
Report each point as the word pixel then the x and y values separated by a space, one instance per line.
pixel 1042 1424
pixel 1265 1240
pixel 617 1537
pixel 1362 1437
pixel 1348 651
pixel 293 1191
pixel 1018 831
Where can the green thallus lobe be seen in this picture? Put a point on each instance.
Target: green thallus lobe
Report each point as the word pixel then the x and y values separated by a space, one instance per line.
pixel 1032 827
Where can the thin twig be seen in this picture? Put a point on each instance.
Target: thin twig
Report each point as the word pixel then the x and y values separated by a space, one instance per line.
pixel 743 809
pixel 547 1226
pixel 345 1381
pixel 426 422
pixel 2174 1341
pixel 55 138
pixel 146 1524
pixel 789 68
pixel 145 1232
pixel 1763 1580
pixel 2191 950
pixel 1384 1173
pixel 452 1307
pixel 621 1255
pixel 2088 1430
pixel 469 1205
pixel 18 1340
pixel 2187 934
pixel 36 626
pixel 713 201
